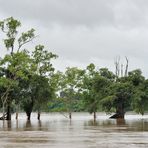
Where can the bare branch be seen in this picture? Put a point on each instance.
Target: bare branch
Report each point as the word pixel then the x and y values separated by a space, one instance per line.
pixel 121 70
pixel 117 66
pixel 126 69
pixel 27 41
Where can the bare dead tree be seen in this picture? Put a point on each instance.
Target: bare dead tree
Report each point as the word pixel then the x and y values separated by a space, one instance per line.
pixel 126 69
pixel 117 66
pixel 121 70
pixel 120 73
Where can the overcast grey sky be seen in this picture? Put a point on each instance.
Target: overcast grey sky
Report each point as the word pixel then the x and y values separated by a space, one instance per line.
pixel 86 31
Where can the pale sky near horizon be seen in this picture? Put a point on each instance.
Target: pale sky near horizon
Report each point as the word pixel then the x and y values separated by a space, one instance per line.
pixel 86 31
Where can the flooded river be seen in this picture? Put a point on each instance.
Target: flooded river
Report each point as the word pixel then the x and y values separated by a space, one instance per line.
pixel 56 131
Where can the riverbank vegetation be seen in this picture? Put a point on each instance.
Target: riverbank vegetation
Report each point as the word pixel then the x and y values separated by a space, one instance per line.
pixel 29 82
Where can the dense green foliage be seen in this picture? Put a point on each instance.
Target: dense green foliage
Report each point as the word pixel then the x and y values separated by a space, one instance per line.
pixel 26 73
pixel 29 82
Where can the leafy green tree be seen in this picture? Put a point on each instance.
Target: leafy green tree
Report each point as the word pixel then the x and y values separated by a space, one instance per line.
pixel 5 88
pixel 14 43
pixel 35 95
pixel 95 87
pixel 43 67
pixel 25 69
pixel 128 92
pixel 13 67
pixel 70 83
pixel 140 97
pixel 119 99
pixel 42 61
pixel 37 90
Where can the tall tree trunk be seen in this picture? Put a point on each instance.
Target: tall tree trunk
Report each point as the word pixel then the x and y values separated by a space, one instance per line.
pixel 39 114
pixel 119 111
pixel 16 117
pixel 29 110
pixel 8 117
pixel 120 121
pixel 28 115
pixel 94 116
pixel 17 109
pixel 17 125
pixel 28 124
pixel 9 125
pixel 70 115
pixel 3 112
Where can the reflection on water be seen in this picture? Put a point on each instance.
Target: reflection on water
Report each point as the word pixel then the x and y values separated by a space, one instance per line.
pixel 56 131
pixel 120 121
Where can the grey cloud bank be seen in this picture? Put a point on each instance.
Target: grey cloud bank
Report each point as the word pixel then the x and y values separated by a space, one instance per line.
pixel 84 31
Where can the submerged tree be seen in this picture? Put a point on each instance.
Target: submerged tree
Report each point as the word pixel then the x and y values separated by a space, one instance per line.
pixel 43 67
pixel 37 90
pixel 119 99
pixel 95 87
pixel 140 96
pixel 14 67
pixel 120 91
pixel 129 92
pixel 36 95
pixel 23 69
pixel 69 93
pixel 14 43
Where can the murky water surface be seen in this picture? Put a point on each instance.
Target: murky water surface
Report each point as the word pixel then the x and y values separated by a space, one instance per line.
pixel 56 131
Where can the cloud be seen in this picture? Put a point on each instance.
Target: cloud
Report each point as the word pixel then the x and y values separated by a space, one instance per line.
pixel 82 12
pixel 79 12
pixel 84 31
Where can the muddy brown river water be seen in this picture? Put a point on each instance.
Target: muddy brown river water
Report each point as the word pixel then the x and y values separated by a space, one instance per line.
pixel 56 131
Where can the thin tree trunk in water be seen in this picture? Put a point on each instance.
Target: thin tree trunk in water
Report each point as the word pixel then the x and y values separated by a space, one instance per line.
pixel 28 123
pixel 8 112
pixel 16 117
pixel 17 110
pixel 70 115
pixel 17 124
pixel 95 116
pixel 39 114
pixel 3 111
pixel 28 115
pixel 29 110
pixel 120 121
pixel 9 124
